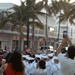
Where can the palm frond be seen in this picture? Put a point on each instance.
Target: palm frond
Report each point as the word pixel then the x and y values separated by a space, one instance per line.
pixel 39 25
pixel 3 20
pixel 71 19
pixel 38 6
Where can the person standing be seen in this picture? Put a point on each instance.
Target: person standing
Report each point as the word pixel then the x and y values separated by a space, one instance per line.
pixel 15 65
pixel 68 62
pixel 41 68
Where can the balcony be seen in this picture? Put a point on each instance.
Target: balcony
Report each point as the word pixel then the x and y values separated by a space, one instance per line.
pixel 37 32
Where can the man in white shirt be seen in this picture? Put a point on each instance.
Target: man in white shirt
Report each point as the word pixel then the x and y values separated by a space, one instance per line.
pixel 57 64
pixel 67 63
pixel 41 70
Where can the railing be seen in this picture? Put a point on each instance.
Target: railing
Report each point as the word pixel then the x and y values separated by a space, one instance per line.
pixel 37 32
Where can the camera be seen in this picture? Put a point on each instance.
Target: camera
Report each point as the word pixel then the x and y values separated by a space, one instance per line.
pixel 64 34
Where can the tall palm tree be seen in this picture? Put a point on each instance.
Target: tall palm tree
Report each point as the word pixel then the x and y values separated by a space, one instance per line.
pixel 46 30
pixel 58 6
pixel 32 8
pixel 20 17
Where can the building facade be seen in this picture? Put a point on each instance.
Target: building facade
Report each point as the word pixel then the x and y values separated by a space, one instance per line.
pixel 10 39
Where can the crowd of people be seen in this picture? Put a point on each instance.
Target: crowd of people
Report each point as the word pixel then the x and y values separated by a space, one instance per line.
pixel 51 63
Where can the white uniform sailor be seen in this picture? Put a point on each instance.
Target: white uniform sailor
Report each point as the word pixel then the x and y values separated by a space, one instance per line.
pixel 25 62
pixel 41 70
pixel 52 70
pixel 50 58
pixel 57 65
pixel 28 66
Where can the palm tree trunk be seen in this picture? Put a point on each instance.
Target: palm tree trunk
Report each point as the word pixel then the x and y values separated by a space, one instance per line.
pixel 58 33
pixel 27 35
pixel 20 44
pixel 33 36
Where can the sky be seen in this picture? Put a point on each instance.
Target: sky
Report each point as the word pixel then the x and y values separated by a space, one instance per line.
pixel 17 1
pixel 13 1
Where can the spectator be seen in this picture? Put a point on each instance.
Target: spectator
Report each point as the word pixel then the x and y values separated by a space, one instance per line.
pixel 0 62
pixel 28 52
pixel 5 48
pixel 67 63
pixel 1 71
pixel 63 50
pixel 4 65
pixel 1 52
pixel 15 65
pixel 7 57
pixel 41 69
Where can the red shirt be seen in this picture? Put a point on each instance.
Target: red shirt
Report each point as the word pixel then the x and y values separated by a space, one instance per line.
pixel 10 71
pixel 1 56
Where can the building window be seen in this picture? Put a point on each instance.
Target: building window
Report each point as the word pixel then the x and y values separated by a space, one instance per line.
pixel 56 30
pixel 15 44
pixel 24 44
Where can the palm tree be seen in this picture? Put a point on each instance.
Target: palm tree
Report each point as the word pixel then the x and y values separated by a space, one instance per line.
pixel 46 7
pixel 33 8
pixel 47 14
pixel 20 17
pixel 58 6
